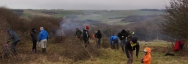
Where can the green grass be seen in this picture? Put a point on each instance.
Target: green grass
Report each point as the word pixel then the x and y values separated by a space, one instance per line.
pixel 111 56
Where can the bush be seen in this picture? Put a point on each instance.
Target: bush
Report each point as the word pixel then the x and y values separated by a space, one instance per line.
pixel 74 49
pixel 50 24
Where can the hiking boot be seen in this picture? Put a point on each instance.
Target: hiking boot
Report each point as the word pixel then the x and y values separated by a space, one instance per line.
pixel 86 45
pixel 43 50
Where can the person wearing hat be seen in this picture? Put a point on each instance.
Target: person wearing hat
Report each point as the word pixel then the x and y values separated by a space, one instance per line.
pixel 130 46
pixel 86 35
pixel 14 38
pixel 147 58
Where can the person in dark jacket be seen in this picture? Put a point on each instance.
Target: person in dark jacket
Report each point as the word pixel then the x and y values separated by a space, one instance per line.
pixel 78 33
pixel 34 39
pixel 86 36
pixel 14 37
pixel 130 46
pixel 122 36
pixel 98 35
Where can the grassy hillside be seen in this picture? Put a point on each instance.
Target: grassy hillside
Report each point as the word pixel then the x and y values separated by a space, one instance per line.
pixel 107 55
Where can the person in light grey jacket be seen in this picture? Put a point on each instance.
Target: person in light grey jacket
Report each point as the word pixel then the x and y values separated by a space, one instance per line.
pixel 14 38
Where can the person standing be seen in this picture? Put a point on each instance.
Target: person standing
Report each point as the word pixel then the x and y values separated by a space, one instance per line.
pixel 122 36
pixel 147 58
pixel 78 33
pixel 14 38
pixel 98 35
pixel 130 46
pixel 34 39
pixel 42 38
pixel 86 35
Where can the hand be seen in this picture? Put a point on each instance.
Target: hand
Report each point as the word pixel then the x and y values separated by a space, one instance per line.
pixel 142 60
pixel 38 42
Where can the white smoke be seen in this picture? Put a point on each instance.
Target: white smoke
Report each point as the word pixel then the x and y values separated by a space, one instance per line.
pixel 69 25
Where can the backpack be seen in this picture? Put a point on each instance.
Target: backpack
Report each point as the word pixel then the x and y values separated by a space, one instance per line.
pixel 85 33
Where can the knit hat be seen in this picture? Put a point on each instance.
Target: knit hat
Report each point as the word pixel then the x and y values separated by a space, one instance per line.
pixel 87 27
pixel 134 39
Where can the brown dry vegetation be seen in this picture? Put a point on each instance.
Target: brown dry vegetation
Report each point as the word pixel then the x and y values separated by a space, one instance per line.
pixel 69 50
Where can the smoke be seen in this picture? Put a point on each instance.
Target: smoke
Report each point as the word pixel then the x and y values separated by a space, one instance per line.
pixel 69 25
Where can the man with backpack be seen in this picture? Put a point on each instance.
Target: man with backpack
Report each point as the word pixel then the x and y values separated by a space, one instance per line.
pixel 86 35
pixel 122 36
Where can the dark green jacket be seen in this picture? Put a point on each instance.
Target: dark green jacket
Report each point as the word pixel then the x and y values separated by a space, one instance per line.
pixel 78 33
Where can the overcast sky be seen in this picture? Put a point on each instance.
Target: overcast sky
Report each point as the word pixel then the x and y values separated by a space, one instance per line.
pixel 85 4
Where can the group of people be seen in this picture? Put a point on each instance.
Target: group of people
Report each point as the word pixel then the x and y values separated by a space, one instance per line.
pixel 128 45
pixel 86 36
pixel 14 38
pixel 128 42
pixel 42 39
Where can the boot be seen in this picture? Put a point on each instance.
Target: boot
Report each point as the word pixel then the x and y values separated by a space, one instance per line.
pixel 43 50
pixel 35 50
pixel 123 49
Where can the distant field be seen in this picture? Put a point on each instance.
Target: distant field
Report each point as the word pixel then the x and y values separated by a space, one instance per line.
pixel 52 13
pixel 109 17
pixel 117 16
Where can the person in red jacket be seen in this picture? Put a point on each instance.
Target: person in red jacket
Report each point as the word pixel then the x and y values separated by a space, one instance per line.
pixel 147 58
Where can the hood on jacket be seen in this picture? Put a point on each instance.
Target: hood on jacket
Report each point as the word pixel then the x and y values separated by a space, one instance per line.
pixel 147 50
pixel 123 31
pixel 33 29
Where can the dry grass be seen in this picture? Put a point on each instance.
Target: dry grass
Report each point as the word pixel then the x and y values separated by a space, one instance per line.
pixel 55 55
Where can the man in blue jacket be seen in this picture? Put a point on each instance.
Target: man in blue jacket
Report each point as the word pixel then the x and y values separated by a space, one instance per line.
pixel 14 38
pixel 114 41
pixel 42 38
